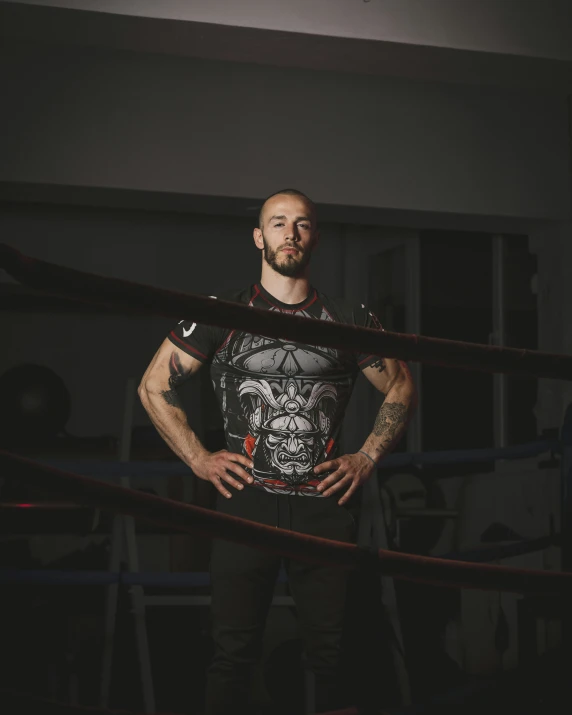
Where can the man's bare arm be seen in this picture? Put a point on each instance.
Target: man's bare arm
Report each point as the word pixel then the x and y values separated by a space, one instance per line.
pixel 393 379
pixel 169 369
pixel 350 471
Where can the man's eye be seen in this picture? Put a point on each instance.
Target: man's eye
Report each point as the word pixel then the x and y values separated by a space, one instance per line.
pixel 304 226
pixel 277 225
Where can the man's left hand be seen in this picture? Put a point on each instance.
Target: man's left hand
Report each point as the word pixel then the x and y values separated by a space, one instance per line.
pixel 350 471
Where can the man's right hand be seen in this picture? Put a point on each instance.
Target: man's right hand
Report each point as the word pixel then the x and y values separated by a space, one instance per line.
pixel 219 467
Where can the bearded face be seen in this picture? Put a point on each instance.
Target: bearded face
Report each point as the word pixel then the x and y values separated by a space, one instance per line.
pixel 287 260
pixel 287 233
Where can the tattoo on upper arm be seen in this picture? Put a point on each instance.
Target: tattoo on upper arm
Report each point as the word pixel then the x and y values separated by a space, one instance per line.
pixel 379 365
pixel 177 376
pixel 390 418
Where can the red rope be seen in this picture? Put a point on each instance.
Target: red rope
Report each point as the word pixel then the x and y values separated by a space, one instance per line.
pixel 136 298
pixel 37 705
pixel 12 701
pixel 189 518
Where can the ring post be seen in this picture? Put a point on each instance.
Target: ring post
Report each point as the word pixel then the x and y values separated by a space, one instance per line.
pixel 123 536
pixel 378 539
pixel 566 516
pixel 136 594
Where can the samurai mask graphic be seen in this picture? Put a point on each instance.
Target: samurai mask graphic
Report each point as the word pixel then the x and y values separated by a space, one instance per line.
pixel 289 429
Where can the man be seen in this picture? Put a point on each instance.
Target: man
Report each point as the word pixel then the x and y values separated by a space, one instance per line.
pixel 283 403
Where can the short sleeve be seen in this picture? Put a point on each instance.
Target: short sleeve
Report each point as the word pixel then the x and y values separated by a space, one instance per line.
pixel 366 319
pixel 198 340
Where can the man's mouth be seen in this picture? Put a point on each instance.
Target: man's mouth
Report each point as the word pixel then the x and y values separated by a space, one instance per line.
pixel 290 250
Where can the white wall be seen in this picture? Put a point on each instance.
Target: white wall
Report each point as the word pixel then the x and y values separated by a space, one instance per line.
pixel 184 126
pixel 541 28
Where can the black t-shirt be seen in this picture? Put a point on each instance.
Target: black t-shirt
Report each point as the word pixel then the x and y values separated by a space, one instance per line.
pixel 282 402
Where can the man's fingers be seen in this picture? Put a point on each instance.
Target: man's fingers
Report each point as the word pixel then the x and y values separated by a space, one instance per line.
pixel 228 462
pixel 349 492
pixel 233 465
pixel 229 479
pixel 337 486
pixel 239 471
pixel 326 466
pixel 327 486
pixel 330 479
pixel 240 459
pixel 216 480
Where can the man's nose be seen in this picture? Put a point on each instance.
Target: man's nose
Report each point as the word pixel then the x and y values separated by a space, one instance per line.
pixel 292 233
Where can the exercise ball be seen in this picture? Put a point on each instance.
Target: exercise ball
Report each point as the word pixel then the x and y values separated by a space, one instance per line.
pixel 34 405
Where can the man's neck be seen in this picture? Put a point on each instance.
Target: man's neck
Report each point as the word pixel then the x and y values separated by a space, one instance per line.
pixel 286 290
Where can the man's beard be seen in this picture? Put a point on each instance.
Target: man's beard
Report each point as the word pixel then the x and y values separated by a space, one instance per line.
pixel 291 265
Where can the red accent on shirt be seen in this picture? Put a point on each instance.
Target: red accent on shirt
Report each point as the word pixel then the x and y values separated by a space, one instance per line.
pixel 189 347
pixel 232 332
pixel 255 296
pixel 249 442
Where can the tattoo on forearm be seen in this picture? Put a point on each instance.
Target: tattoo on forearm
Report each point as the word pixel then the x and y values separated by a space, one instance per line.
pixel 379 365
pixel 390 419
pixel 177 376
pixel 171 398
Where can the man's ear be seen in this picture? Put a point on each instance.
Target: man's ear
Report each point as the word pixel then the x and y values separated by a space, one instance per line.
pixel 258 240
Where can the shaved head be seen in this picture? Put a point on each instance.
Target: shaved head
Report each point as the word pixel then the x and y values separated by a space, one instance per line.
pixel 287 192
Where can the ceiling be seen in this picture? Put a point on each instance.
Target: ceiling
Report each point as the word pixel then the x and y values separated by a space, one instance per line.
pixel 521 44
pixel 514 44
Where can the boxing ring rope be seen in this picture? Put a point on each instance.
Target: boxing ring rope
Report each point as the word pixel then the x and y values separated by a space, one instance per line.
pixel 130 298
pixel 139 299
pixel 189 518
pixel 19 703
pixel 97 468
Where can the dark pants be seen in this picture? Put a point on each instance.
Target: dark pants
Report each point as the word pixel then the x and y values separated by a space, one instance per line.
pixel 243 581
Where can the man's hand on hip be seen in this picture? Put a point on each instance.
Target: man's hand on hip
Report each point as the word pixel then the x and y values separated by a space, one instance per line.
pixel 350 472
pixel 219 468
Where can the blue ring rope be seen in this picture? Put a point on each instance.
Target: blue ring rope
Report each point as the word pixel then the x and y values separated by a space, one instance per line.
pixel 195 579
pixel 103 468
